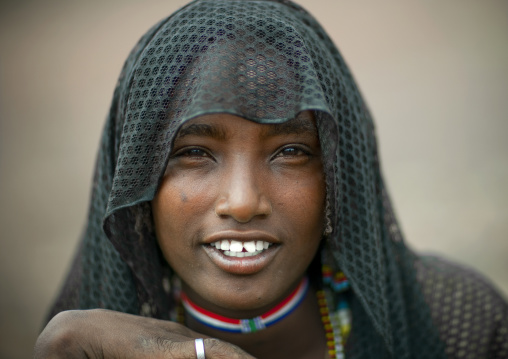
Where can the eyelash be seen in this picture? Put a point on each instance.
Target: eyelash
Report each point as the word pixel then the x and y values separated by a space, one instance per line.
pixel 297 151
pixel 197 152
pixel 191 152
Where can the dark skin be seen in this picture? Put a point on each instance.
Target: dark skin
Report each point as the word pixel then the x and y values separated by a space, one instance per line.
pixel 101 333
pixel 227 179
pixel 301 335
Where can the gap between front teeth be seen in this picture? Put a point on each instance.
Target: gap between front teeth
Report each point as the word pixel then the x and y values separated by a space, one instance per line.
pixel 235 248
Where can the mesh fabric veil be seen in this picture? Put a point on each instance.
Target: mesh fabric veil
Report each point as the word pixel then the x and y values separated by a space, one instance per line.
pixel 267 61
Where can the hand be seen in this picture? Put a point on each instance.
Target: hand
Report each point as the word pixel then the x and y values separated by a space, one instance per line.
pixel 99 333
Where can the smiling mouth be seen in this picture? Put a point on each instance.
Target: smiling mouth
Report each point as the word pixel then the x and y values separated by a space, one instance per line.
pixel 233 248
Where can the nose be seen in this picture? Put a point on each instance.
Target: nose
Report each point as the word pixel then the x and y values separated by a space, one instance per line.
pixel 242 197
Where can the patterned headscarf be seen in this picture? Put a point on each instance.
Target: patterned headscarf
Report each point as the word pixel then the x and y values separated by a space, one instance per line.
pixel 267 61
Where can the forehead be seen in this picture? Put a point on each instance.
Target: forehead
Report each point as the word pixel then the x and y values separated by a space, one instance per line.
pixel 217 125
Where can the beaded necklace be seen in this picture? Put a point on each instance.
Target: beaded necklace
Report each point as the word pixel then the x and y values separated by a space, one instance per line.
pixel 336 322
pixel 280 311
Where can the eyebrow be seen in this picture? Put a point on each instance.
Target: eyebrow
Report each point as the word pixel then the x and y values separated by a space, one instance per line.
pixel 202 129
pixel 298 125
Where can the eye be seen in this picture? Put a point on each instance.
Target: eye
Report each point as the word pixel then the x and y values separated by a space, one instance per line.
pixel 292 151
pixel 188 158
pixel 192 152
pixel 292 155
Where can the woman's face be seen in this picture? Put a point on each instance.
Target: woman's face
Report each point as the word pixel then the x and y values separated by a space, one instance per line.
pixel 239 213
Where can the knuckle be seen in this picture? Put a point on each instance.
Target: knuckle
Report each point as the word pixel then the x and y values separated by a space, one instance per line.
pixel 165 345
pixel 58 339
pixel 158 344
pixel 221 349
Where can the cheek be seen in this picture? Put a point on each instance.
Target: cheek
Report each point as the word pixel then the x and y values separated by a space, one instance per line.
pixel 301 209
pixel 179 200
pixel 302 215
pixel 303 202
pixel 176 207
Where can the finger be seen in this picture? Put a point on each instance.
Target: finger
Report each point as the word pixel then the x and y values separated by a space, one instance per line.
pixel 214 349
pixel 218 349
pixel 158 347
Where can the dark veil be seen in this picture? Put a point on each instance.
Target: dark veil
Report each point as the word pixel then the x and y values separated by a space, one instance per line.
pixel 267 61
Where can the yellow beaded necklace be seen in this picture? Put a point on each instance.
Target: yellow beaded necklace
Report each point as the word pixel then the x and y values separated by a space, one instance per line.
pixel 337 323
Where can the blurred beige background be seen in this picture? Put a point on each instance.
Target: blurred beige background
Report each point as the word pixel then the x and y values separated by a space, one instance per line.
pixel 434 72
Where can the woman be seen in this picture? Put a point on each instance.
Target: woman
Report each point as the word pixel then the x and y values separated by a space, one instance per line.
pixel 237 187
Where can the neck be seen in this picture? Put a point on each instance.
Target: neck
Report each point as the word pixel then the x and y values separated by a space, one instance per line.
pixel 299 335
pixel 248 325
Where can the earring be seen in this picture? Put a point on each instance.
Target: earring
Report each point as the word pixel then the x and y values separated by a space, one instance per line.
pixel 328 222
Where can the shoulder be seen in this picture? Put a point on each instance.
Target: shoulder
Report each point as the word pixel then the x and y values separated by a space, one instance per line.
pixel 470 313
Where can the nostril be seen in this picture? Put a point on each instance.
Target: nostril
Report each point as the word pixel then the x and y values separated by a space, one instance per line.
pixel 243 208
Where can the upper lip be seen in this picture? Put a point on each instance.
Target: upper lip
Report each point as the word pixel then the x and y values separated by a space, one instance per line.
pixel 241 236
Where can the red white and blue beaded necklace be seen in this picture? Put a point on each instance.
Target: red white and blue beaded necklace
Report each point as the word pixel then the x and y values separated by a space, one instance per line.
pixel 283 309
pixel 336 321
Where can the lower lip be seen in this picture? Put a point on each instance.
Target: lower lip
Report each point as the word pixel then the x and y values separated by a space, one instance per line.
pixel 241 265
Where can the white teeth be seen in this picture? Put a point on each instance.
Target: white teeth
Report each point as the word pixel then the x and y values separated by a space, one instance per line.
pixel 236 246
pixel 259 245
pixel 241 254
pixel 250 247
pixel 224 245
